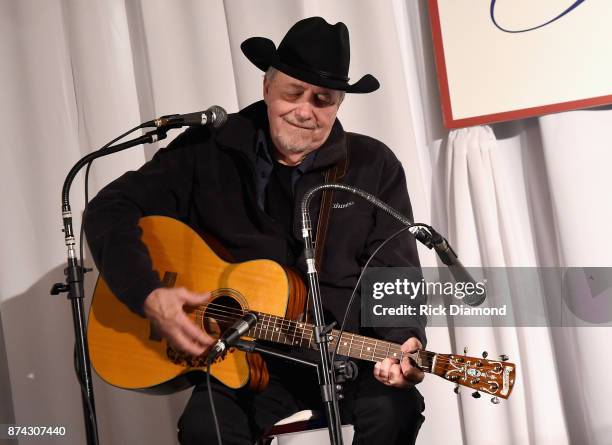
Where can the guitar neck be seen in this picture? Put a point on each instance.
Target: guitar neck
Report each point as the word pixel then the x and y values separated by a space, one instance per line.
pixel 281 330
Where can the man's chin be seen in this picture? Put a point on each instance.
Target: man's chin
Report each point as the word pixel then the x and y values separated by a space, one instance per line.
pixel 295 145
pixel 297 148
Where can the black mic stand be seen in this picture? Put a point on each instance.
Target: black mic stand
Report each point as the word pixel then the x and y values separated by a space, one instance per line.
pixel 321 332
pixel 423 233
pixel 74 282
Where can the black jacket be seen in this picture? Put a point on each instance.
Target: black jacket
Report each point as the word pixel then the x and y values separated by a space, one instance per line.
pixel 207 180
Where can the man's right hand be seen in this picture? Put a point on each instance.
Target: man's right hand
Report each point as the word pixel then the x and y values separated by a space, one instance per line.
pixel 165 308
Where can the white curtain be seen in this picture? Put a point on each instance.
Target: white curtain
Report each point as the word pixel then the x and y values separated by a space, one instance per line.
pixel 76 73
pixel 507 201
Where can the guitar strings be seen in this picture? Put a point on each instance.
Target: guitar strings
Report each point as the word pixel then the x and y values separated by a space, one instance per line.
pixel 298 339
pixel 287 331
pixel 282 322
pixel 354 345
pixel 239 312
pixel 375 356
pixel 295 326
pixel 298 332
pixel 356 342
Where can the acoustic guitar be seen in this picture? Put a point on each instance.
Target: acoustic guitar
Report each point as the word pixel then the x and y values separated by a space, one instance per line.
pixel 127 352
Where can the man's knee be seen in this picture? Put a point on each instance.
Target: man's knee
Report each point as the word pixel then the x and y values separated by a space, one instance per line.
pixel 196 425
pixel 198 430
pixel 390 416
pixel 192 431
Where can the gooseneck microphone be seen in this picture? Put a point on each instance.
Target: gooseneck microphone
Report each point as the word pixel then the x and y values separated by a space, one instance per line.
pixel 427 235
pixel 448 256
pixel 214 116
pixel 233 333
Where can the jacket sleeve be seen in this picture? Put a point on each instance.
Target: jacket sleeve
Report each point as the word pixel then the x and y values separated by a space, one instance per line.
pixel 401 252
pixel 162 186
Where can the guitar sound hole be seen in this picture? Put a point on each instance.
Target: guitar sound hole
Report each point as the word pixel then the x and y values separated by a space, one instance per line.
pixel 220 314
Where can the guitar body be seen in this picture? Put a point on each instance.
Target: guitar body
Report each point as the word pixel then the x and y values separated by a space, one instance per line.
pixel 127 352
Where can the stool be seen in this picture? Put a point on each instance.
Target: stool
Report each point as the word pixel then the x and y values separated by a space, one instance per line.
pixel 303 428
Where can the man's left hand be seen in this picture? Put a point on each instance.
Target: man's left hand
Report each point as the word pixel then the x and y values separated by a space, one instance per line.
pixel 400 375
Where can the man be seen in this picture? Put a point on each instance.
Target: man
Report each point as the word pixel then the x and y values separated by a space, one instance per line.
pixel 243 184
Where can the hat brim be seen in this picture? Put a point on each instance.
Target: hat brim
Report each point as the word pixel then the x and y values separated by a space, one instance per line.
pixel 262 53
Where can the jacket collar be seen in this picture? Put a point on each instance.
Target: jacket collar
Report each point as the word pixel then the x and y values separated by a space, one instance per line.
pixel 240 134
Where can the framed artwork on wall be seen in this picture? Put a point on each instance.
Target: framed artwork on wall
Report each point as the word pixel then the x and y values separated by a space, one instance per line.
pixel 501 60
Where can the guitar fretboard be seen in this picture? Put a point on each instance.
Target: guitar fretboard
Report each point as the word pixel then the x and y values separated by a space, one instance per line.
pixel 281 330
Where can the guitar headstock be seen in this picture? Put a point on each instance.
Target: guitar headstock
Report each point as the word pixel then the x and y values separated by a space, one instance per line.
pixel 495 377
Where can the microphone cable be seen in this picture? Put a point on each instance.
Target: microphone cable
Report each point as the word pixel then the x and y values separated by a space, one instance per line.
pixel 365 266
pixel 212 402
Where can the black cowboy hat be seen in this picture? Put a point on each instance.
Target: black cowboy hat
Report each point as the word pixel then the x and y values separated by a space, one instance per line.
pixel 312 51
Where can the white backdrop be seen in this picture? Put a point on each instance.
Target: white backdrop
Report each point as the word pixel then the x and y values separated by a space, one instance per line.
pixel 74 74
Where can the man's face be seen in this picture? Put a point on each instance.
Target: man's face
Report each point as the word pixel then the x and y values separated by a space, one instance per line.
pixel 301 115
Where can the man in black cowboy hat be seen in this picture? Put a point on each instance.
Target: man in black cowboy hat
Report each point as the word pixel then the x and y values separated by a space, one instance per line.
pixel 243 184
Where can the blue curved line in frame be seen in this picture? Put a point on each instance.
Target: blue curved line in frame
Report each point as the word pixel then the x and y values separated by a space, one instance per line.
pixel 567 11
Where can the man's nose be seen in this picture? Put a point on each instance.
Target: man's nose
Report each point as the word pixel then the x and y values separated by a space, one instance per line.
pixel 303 112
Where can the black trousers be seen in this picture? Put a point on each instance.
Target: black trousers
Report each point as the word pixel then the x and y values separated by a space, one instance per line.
pixel 379 414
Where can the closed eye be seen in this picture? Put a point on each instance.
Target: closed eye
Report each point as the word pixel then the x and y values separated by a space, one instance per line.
pixel 324 100
pixel 292 95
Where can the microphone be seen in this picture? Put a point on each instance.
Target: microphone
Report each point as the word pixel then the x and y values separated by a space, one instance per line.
pixel 458 271
pixel 233 333
pixel 214 116
pixel 429 237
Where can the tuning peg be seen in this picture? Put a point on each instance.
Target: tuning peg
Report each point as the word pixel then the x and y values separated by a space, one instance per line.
pixel 476 395
pixel 503 358
pixel 485 354
pixel 457 389
pixel 465 350
pixel 495 400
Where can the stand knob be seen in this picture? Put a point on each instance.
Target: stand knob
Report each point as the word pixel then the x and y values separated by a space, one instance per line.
pixel 59 288
pixel 346 370
pixel 503 358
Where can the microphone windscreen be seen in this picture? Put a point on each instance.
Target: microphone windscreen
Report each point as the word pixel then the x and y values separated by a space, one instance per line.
pixel 220 116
